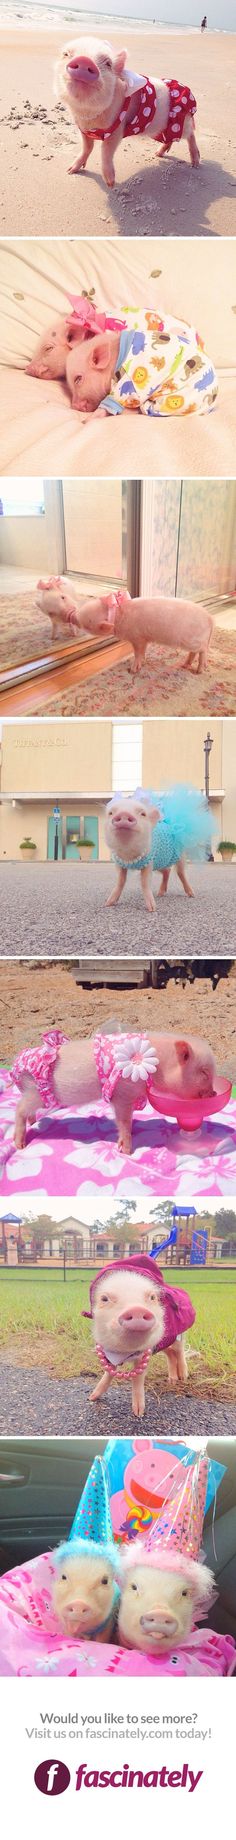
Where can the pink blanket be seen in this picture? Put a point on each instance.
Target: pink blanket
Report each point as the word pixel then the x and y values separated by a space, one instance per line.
pixel 71 1155
pixel 31 1643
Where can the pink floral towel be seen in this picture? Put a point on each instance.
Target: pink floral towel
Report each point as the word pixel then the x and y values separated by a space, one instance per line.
pixel 78 1155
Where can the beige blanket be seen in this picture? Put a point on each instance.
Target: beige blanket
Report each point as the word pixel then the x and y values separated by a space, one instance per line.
pixel 39 433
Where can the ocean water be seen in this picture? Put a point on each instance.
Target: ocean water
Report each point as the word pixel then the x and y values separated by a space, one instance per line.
pixel 175 16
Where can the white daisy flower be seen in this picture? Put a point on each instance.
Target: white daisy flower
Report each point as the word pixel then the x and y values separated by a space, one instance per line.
pixel 136 1058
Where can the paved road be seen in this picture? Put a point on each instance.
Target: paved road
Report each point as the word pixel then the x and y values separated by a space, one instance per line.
pixel 58 909
pixel 32 1405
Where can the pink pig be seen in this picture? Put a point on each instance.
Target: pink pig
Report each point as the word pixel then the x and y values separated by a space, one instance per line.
pixel 58 1072
pixel 135 1314
pixel 108 101
pixel 54 600
pixel 181 624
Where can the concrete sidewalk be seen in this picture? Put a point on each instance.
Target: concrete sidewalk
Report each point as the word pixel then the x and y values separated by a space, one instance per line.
pixel 58 910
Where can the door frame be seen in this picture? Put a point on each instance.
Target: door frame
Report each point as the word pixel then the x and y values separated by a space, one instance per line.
pixel 14 676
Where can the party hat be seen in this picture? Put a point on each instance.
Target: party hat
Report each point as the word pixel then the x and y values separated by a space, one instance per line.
pixel 178 1530
pixel 173 1543
pixel 92 1519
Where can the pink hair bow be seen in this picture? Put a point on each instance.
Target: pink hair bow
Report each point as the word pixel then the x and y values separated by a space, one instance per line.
pixel 89 319
pixel 53 581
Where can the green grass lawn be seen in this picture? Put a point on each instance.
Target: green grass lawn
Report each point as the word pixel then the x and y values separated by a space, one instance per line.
pixel 41 1325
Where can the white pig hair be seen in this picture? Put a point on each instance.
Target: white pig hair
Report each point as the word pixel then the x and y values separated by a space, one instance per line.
pixel 88 1549
pixel 199 1577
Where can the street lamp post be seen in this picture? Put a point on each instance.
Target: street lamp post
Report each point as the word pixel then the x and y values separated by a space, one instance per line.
pixel 56 815
pixel 208 744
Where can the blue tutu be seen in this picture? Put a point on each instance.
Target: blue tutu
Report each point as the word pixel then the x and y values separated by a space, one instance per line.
pixel 186 826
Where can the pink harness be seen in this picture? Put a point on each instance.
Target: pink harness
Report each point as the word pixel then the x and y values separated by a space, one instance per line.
pixel 182 103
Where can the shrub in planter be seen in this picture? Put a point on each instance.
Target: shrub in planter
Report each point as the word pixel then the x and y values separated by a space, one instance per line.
pixel 28 847
pixel 84 845
pixel 227 849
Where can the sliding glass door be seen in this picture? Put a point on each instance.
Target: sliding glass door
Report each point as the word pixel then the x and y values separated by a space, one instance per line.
pixel 95 532
pixel 189 538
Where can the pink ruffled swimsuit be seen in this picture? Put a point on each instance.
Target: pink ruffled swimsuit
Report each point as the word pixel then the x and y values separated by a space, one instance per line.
pixel 113 1053
pixel 39 1063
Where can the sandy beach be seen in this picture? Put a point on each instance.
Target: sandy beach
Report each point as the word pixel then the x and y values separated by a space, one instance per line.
pixel 168 199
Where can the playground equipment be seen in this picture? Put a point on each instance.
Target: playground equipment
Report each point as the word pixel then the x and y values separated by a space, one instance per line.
pixel 189 1245
pixel 10 1238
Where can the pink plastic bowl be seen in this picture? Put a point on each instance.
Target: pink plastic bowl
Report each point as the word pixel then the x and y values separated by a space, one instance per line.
pixel 190 1113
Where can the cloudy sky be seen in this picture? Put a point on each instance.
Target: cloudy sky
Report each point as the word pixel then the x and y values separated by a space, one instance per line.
pixel 106 1208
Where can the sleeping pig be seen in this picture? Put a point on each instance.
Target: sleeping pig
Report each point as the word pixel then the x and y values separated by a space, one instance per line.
pixel 134 1314
pixel 85 1592
pixel 106 375
pixel 51 352
pixel 161 1597
pixel 61 1073
pixel 54 599
pixel 108 102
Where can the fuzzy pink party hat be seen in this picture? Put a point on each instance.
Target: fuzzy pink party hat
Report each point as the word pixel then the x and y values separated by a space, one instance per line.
pixel 174 1541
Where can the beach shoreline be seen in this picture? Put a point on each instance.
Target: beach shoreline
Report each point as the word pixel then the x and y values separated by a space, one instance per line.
pixel 36 12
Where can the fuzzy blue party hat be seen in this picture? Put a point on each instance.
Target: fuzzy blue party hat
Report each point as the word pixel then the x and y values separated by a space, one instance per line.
pixel 92 1519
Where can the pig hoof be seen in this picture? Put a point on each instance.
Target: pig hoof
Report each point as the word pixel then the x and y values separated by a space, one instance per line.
pixel 150 905
pixel 124 1145
pixel 139 1411
pixel 79 166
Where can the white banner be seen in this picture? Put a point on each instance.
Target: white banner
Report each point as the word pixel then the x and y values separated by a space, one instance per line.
pixel 72 1753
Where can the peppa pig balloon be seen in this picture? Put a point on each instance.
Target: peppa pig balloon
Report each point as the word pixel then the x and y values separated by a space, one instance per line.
pixel 148 1481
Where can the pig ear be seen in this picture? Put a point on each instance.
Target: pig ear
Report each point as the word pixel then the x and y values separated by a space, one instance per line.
pixel 119 62
pixel 99 355
pixel 154 814
pixel 141 1444
pixel 184 1052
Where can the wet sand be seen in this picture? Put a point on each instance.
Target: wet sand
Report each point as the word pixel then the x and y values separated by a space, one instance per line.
pixel 39 142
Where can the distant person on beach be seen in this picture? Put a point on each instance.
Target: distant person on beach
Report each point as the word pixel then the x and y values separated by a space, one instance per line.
pixel 204 23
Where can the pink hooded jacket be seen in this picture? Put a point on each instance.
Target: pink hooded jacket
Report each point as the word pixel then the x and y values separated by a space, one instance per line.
pixel 179 1312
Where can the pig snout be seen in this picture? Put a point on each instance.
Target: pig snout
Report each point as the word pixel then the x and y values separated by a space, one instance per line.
pixel 76 1615
pixel 124 821
pixel 159 1623
pixel 83 70
pixel 79 1608
pixel 136 1318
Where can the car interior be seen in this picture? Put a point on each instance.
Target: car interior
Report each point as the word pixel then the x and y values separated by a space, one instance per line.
pixel 42 1480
